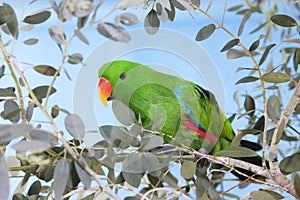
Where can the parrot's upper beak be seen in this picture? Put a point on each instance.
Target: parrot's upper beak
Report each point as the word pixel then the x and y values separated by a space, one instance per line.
pixel 104 90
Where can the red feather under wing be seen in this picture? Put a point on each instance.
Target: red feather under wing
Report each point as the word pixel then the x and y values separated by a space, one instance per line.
pixel 189 124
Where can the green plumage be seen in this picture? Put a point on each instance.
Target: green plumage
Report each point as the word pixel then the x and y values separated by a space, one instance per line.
pixel 153 95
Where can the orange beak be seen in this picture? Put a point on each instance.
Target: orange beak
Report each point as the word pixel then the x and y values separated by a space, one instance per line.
pixel 104 90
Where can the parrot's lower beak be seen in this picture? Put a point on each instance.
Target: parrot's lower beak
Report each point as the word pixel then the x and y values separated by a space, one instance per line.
pixel 104 90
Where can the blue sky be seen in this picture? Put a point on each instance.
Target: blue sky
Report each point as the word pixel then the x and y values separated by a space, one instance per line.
pixel 46 52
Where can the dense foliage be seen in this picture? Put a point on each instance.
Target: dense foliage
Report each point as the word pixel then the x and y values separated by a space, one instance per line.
pixel 53 161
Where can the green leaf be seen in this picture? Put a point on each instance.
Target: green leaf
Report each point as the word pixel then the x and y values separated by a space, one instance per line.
pixel 280 131
pixel 266 53
pixel 35 188
pixel 244 20
pixel 275 77
pixel 234 8
pixel 188 169
pixel 205 32
pixel 274 194
pixel 151 164
pixel 81 37
pixel 290 164
pixel 8 16
pixel 283 20
pixel 46 70
pixel 37 17
pixel 54 111
pixel 237 152
pixel 261 195
pixel 75 126
pixel 230 44
pixel 297 184
pixel 113 32
pixel 249 105
pixel 2 70
pixel 273 107
pixel 41 91
pixel 75 58
pixel 117 136
pixel 254 45
pixel 247 79
pixel 293 40
pixel 31 41
pixel 11 111
pixel 150 142
pixel 132 169
pixel 171 12
pixel 151 23
pixel 234 53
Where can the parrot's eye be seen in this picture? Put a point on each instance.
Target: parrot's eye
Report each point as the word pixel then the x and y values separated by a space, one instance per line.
pixel 122 75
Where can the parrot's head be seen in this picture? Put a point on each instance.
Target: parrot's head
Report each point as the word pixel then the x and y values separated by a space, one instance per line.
pixel 109 76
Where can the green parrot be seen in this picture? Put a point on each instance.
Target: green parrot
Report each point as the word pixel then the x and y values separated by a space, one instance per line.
pixel 188 114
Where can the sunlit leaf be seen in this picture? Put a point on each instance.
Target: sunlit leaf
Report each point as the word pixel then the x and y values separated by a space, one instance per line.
pixel 37 17
pixel 75 58
pixel 266 53
pixel 4 189
pixel 46 70
pixel 247 79
pixel 237 152
pixel 273 107
pixel 75 126
pixel 261 195
pixel 54 111
pixel 61 176
pixel 151 23
pixel 81 37
pixel 280 131
pixel 128 19
pixel 283 20
pixel 205 32
pixel 234 53
pixel 188 169
pixel 31 41
pixel 275 77
pixel 244 20
pixel 230 44
pixel 113 32
pixel 290 164
pixel 123 4
pixel 83 175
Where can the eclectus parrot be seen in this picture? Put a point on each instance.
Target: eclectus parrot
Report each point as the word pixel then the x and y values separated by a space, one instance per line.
pixel 188 114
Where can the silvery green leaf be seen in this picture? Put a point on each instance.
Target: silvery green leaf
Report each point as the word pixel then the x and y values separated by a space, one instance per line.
pixel 123 113
pixel 61 176
pixel 9 132
pixel 83 175
pixel 37 17
pixel 11 111
pixel 4 189
pixel 123 4
pixel 75 126
pixel 150 142
pixel 127 19
pixel 113 32
pixel 33 146
pixel 151 23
